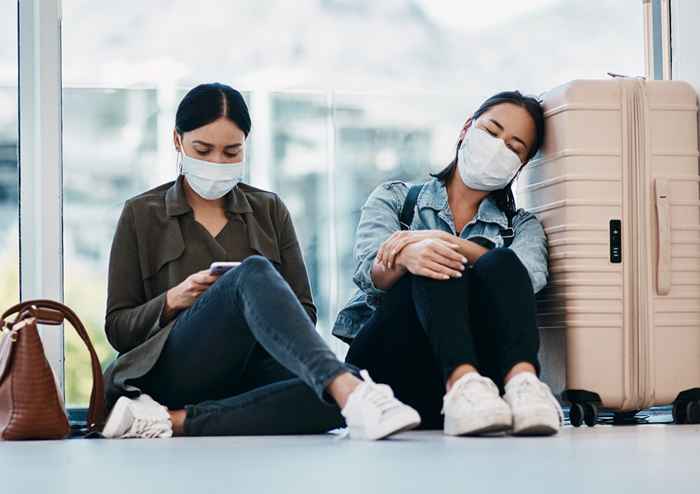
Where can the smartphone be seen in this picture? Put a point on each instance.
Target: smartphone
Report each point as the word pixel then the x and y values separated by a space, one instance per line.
pixel 219 268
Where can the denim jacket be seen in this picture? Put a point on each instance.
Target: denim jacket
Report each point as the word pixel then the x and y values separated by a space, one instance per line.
pixel 380 218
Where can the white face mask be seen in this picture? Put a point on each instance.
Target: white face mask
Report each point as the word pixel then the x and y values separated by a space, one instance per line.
pixel 485 162
pixel 210 180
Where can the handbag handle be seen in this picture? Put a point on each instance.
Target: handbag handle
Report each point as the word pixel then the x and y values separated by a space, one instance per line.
pixel 53 313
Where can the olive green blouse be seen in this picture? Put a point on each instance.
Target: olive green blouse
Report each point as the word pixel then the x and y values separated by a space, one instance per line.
pixel 158 244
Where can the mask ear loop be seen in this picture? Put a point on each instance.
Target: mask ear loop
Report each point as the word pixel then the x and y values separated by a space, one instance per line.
pixel 178 159
pixel 178 163
pixel 465 129
pixel 462 135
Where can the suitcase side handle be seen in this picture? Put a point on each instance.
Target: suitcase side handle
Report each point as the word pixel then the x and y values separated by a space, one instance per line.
pixel 663 237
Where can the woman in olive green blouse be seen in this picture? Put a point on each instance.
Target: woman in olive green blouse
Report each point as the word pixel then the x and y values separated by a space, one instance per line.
pixel 217 354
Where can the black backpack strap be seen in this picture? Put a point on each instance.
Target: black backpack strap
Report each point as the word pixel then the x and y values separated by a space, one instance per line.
pixel 409 207
pixel 507 234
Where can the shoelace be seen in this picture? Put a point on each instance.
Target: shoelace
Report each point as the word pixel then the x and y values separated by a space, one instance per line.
pixel 459 392
pixel 541 389
pixel 154 429
pixel 378 395
pixel 147 427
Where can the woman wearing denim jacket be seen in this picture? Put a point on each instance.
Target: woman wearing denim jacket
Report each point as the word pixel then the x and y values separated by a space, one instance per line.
pixel 446 310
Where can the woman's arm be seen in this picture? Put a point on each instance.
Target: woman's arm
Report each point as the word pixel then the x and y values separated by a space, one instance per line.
pixel 530 245
pixel 378 231
pixel 383 277
pixel 391 248
pixel 378 221
pixel 293 267
pixel 130 317
pixel 471 250
pixel 170 309
pixel 438 255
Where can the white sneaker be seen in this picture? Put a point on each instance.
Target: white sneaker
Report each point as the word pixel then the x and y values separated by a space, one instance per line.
pixel 473 406
pixel 536 412
pixel 372 412
pixel 140 417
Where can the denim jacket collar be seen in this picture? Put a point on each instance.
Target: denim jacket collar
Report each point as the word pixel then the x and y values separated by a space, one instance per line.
pixel 434 196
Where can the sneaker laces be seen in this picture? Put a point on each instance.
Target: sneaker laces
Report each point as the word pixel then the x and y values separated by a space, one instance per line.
pixel 459 391
pixel 151 419
pixel 148 427
pixel 379 395
pixel 528 387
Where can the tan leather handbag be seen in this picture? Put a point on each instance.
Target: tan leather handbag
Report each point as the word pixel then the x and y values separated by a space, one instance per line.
pixel 30 401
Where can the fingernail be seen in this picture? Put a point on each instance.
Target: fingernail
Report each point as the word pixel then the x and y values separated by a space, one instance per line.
pixel 459 275
pixel 464 260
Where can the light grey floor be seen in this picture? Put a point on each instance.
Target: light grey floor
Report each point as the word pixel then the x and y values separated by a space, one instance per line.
pixel 634 459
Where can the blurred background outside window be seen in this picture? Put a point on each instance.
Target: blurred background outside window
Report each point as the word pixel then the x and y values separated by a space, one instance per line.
pixel 344 94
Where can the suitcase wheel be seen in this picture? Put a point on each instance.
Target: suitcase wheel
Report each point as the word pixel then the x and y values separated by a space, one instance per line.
pixel 590 415
pixel 693 412
pixel 584 406
pixel 576 414
pixel 686 407
pixel 581 413
pixel 678 412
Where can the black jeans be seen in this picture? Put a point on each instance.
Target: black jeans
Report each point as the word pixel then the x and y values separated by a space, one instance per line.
pixel 423 329
pixel 245 359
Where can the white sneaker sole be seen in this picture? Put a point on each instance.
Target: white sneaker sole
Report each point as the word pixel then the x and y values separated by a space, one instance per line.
pixel 476 425
pixel 119 419
pixel 537 424
pixel 400 423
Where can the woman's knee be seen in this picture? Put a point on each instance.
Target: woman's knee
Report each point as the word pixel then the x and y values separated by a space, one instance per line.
pixel 248 276
pixel 498 260
pixel 253 264
pixel 256 263
pixel 432 286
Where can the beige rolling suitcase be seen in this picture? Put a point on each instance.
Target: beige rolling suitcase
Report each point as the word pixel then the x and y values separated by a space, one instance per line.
pixel 616 187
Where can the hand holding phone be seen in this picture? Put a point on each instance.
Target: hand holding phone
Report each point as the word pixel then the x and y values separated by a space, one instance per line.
pixel 219 268
pixel 185 294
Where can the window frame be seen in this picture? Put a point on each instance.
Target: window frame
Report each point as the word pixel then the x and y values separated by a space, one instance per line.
pixel 657 39
pixel 40 164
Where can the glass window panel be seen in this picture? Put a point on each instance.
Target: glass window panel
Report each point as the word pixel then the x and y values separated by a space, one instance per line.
pixel 299 170
pixel 9 193
pixel 382 137
pixel 110 148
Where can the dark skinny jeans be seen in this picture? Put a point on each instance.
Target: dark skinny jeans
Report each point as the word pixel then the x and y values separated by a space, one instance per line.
pixel 245 359
pixel 424 328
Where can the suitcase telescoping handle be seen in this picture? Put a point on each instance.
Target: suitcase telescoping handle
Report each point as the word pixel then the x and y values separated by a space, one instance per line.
pixel 663 237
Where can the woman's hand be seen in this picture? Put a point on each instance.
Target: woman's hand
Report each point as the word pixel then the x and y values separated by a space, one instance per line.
pixel 433 258
pixel 186 293
pixel 392 247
